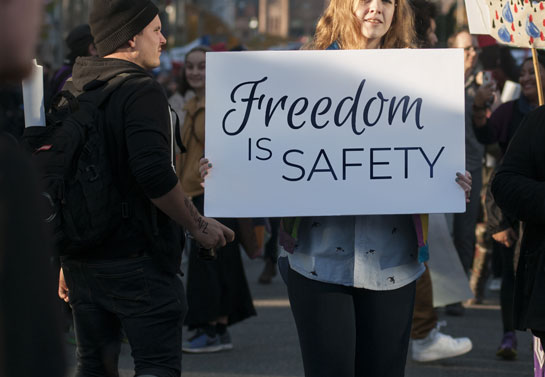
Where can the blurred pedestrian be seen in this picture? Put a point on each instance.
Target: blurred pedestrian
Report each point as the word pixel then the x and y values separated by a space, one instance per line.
pixel 500 227
pixel 477 98
pixel 428 343
pixel 217 290
pixel 30 324
pixel 80 43
pixel 519 190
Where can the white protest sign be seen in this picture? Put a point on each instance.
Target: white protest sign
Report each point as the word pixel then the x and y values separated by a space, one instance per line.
pixel 346 132
pixel 518 23
pixel 478 16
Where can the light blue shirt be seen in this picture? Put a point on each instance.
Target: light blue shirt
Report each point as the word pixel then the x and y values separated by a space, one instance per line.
pixel 378 252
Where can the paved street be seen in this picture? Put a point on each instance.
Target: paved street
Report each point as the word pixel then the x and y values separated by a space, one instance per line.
pixel 266 345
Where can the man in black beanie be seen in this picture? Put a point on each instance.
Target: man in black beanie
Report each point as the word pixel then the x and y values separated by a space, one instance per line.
pixel 131 281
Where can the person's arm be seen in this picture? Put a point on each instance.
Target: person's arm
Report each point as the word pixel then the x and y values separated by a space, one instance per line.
pixel 515 187
pixel 207 231
pixel 147 134
pixel 481 123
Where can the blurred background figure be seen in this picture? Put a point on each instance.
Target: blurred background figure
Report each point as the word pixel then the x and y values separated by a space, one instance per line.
pixel 181 93
pixel 502 229
pixel 30 325
pixel 80 43
pixel 428 343
pixel 477 97
pixel 425 13
pixel 217 290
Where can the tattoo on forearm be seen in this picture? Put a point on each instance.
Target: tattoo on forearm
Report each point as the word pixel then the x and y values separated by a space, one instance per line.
pixel 196 216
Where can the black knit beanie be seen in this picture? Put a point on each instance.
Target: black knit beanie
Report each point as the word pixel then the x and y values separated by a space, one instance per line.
pixel 114 22
pixel 78 41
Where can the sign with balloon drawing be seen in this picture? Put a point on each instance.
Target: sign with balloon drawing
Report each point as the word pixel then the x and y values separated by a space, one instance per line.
pixel 518 22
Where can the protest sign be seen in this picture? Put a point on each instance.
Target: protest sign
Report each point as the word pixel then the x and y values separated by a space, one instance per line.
pixel 346 132
pixel 478 16
pixel 517 23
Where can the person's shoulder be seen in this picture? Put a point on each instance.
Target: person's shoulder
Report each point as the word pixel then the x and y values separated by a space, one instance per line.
pixel 537 114
pixel 532 125
pixel 142 88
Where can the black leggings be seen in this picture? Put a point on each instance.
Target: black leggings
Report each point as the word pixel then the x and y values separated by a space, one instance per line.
pixel 347 332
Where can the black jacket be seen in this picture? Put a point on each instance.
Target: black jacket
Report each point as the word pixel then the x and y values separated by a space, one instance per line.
pixel 519 189
pixel 138 137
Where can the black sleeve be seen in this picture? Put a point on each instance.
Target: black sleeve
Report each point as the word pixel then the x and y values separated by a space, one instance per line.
pixel 518 188
pixel 485 134
pixel 148 138
pixel 496 219
pixel 30 322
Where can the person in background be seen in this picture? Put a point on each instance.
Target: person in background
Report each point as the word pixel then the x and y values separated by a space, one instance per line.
pixel 477 97
pixel 80 43
pixel 271 253
pixel 130 280
pixel 519 190
pixel 30 322
pixel 427 342
pixel 502 229
pixel 217 290
pixel 181 95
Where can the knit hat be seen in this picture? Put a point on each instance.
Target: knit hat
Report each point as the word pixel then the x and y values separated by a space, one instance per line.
pixel 78 41
pixel 114 22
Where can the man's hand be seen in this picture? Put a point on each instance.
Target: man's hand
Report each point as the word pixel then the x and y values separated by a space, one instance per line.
pixel 507 237
pixel 63 288
pixel 207 231
pixel 213 234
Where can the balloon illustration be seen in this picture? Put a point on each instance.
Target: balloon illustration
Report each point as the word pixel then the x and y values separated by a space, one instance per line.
pixel 531 29
pixel 504 35
pixel 506 13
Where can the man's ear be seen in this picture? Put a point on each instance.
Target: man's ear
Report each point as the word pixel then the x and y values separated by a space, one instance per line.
pixel 132 42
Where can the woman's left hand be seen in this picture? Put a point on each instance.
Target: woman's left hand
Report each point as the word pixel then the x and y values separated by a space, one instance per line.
pixel 204 166
pixel 464 180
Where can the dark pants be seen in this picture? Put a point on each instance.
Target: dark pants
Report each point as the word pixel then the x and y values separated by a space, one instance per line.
pixel 346 332
pixel 133 294
pixel 424 316
pixel 271 247
pixel 465 223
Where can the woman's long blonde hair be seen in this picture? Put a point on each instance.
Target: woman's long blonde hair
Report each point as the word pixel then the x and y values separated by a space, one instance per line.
pixel 339 23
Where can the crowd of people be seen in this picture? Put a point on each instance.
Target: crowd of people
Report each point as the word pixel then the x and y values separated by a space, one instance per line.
pixel 126 282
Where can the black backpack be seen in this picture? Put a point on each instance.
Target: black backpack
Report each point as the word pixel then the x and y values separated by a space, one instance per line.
pixel 85 202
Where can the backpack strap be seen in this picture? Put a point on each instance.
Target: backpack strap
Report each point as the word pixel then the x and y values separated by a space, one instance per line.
pixel 177 133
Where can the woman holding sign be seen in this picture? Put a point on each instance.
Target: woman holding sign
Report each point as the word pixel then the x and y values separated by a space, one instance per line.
pixel 351 279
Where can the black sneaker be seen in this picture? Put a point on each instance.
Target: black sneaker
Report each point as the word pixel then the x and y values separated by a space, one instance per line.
pixel 455 310
pixel 225 341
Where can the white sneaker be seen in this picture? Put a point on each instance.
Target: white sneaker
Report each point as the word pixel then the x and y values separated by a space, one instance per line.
pixel 439 346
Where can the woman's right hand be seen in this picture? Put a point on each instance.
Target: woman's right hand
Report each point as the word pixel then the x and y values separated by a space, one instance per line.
pixel 204 166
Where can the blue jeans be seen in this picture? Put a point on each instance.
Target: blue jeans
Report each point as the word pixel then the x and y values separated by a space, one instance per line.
pixel 129 293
